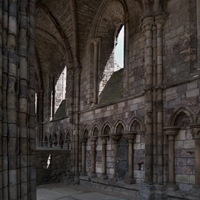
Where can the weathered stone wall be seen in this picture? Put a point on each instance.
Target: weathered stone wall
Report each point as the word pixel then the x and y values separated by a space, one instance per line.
pixel 53 166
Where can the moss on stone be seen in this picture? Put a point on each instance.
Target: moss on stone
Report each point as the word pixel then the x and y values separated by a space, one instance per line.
pixel 113 88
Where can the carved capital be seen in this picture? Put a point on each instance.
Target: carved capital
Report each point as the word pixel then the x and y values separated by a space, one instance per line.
pixel 195 130
pixel 94 140
pixel 84 140
pixel 116 137
pixel 147 24
pixel 126 17
pixel 160 21
pixel 130 135
pixel 95 41
pixel 104 138
pixel 171 131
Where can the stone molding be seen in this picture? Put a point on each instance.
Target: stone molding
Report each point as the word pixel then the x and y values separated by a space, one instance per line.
pixel 130 135
pixel 116 136
pixel 171 131
pixel 147 24
pixel 104 138
pixel 195 130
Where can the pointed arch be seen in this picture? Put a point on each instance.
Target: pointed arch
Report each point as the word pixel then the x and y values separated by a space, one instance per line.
pixel 117 124
pixel 134 121
pixel 105 126
pixel 198 118
pixel 179 113
pixel 95 130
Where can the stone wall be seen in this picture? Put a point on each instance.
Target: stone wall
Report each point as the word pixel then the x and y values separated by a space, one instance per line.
pixel 53 166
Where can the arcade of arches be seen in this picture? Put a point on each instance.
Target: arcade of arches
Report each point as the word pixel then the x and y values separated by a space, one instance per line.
pixel 139 133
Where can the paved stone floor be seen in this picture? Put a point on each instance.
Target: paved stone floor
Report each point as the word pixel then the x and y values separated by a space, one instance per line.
pixel 73 192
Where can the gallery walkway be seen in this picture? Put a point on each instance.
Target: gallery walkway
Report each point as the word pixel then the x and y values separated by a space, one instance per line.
pixel 73 192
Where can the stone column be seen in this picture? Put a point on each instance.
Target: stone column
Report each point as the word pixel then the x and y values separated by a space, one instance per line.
pixel 115 137
pixel 171 132
pixel 104 153
pixel 159 22
pixel 93 162
pixel 126 55
pixel 96 55
pixel 196 135
pixel 83 172
pixel 40 108
pixel 147 26
pixel 76 117
pixel 131 137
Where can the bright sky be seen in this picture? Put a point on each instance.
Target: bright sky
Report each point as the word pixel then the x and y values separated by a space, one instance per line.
pixel 119 51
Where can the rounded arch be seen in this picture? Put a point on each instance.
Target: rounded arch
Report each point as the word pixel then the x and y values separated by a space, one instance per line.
pixel 135 124
pixel 118 126
pixel 180 113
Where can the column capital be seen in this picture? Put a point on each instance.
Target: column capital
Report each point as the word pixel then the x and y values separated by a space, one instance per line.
pixel 130 135
pixel 94 139
pixel 116 136
pixel 84 140
pixel 160 20
pixel 95 41
pixel 171 131
pixel 195 130
pixel 104 138
pixel 126 17
pixel 147 23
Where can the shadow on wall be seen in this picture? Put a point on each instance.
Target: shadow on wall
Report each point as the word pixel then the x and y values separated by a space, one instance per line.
pixel 53 166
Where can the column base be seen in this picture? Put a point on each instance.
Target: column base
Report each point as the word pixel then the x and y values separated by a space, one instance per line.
pixel 129 181
pixel 160 192
pixel 114 179
pixel 146 192
pixel 103 177
pixel 83 173
pixel 171 187
pixel 93 176
pixel 195 191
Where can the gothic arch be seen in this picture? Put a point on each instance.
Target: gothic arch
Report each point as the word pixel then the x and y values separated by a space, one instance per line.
pixel 179 112
pixel 107 124
pixel 117 123
pixel 95 130
pixel 137 120
pixel 198 118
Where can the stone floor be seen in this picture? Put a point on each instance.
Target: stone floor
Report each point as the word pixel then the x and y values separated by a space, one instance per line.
pixel 73 192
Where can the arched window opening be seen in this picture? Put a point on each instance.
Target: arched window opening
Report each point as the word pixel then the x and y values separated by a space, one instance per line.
pixel 116 60
pixel 120 128
pixel 60 89
pixel 106 130
pixel 96 131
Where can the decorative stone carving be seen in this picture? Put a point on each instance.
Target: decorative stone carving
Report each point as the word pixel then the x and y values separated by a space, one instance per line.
pixel 195 130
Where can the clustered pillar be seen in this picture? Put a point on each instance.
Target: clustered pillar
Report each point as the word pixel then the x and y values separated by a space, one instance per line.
pixel 152 26
pixel 17 88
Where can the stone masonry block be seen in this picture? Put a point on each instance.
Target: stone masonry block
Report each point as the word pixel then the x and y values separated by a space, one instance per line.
pixel 187 170
pixel 179 144
pixel 192 93
pixel 190 144
pixel 182 178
